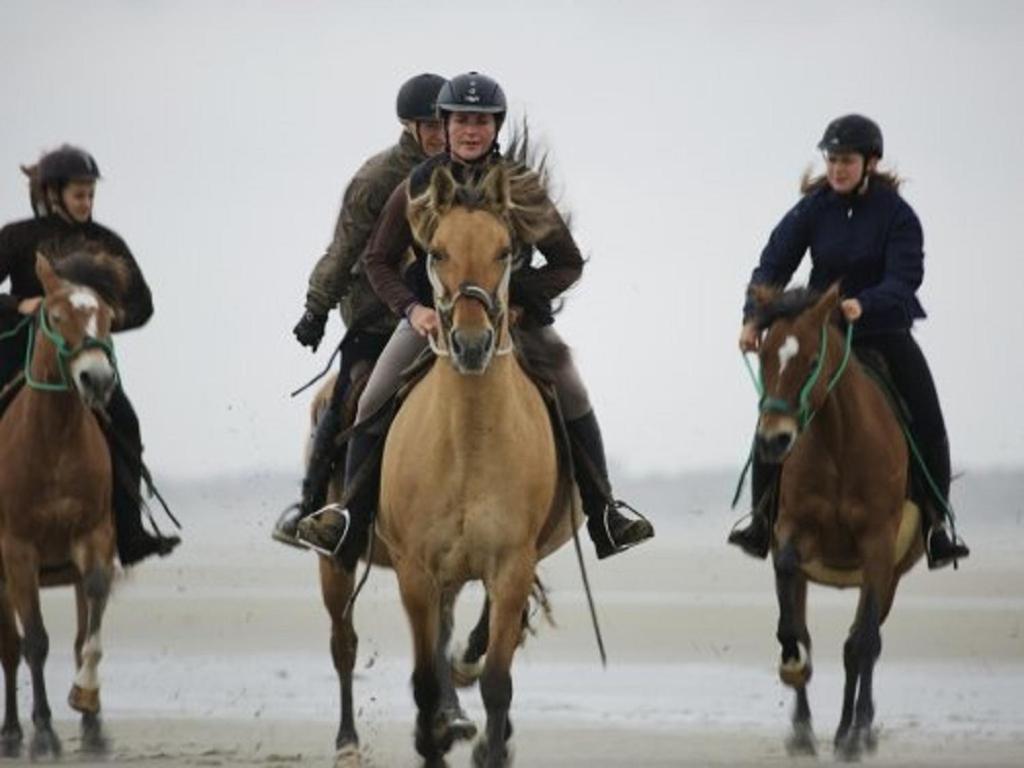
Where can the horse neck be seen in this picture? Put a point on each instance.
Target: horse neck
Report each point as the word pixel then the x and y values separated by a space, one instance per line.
pixel 471 401
pixel 845 407
pixel 51 410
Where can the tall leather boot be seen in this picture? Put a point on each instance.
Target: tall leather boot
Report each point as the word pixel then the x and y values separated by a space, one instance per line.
pixel 319 469
pixel 343 532
pixel 134 542
pixel 756 538
pixel 941 547
pixel 611 531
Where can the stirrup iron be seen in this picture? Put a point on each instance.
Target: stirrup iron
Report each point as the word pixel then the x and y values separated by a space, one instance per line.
pixel 332 553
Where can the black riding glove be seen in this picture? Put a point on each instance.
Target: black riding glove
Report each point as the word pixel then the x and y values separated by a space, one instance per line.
pixel 310 329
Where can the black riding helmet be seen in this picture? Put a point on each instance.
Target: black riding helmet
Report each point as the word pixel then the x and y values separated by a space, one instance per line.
pixel 417 98
pixel 67 163
pixel 853 133
pixel 472 92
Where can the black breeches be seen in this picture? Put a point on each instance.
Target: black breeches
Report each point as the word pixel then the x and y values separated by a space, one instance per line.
pixel 913 381
pixel 357 347
pixel 125 442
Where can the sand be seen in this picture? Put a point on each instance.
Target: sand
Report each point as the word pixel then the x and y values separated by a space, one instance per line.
pixel 218 656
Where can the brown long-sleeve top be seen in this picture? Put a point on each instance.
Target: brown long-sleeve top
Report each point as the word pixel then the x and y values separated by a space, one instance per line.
pixel 393 236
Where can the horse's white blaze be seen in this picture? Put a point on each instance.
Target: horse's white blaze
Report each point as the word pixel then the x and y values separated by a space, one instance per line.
pixel 787 352
pixel 88 675
pixel 85 301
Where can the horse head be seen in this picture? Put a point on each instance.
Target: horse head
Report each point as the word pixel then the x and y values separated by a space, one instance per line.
pixel 800 359
pixel 470 233
pixel 75 321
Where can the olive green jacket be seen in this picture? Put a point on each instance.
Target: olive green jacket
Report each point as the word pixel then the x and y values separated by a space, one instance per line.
pixel 338 277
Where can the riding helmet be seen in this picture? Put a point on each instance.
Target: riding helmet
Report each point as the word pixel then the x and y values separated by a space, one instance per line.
pixel 853 133
pixel 472 92
pixel 65 164
pixel 417 98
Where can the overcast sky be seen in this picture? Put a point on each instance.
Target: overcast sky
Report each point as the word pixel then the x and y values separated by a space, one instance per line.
pixel 227 131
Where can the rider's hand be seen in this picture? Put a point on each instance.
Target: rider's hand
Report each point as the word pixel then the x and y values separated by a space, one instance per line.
pixel 750 338
pixel 852 310
pixel 29 306
pixel 423 320
pixel 310 329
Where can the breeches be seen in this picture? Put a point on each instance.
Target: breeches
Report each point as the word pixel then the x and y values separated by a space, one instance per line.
pixel 405 345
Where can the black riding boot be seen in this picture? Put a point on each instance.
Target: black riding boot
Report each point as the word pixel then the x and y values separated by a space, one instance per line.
pixel 611 531
pixel 344 532
pixel 134 542
pixel 756 538
pixel 319 469
pixel 941 547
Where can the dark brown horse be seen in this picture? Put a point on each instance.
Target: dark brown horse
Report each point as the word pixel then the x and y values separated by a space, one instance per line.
pixel 56 525
pixel 844 519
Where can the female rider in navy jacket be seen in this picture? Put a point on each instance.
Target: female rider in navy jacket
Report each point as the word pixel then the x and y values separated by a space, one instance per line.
pixel 862 234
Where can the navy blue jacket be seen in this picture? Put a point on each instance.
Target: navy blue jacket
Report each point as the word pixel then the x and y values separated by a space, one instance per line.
pixel 871 243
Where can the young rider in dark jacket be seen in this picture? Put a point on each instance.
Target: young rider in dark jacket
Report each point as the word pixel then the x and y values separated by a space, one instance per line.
pixel 67 180
pixel 862 234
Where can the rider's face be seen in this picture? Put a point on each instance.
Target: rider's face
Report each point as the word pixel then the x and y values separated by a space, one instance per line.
pixel 471 134
pixel 430 134
pixel 77 198
pixel 845 170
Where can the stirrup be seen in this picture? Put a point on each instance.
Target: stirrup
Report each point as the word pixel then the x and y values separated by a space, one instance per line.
pixel 954 541
pixel 277 534
pixel 618 504
pixel 332 553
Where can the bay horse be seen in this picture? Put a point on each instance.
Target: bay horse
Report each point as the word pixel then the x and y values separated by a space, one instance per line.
pixel 471 487
pixel 56 523
pixel 844 518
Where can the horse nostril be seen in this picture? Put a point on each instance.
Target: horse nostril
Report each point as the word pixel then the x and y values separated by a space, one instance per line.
pixel 85 378
pixel 456 343
pixel 781 442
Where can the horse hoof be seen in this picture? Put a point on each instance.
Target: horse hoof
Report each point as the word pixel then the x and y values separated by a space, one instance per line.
pixel 465 673
pixel 458 726
pixel 348 757
pixel 44 744
pixel 11 741
pixel 484 758
pixel 94 741
pixel 801 742
pixel 84 700
pixel 847 748
pixel 796 673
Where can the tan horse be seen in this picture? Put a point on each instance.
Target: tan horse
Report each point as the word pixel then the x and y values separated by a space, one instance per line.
pixel 470 485
pixel 844 519
pixel 56 525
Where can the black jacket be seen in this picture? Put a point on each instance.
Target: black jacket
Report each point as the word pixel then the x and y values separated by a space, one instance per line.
pixel 18 245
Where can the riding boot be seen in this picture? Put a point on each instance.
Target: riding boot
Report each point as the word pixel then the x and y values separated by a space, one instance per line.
pixel 756 538
pixel 319 469
pixel 611 531
pixel 343 532
pixel 941 546
pixel 134 542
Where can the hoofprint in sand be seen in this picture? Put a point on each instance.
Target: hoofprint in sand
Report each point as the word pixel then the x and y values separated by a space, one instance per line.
pixel 219 655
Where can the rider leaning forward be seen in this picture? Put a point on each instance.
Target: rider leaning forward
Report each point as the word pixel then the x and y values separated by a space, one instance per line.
pixel 863 234
pixel 472 108
pixel 66 180
pixel 338 278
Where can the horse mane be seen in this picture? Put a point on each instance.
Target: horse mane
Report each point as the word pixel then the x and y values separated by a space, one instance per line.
pixel 771 304
pixel 87 263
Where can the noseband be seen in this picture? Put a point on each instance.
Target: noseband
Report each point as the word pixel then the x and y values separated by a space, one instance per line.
pixel 445 307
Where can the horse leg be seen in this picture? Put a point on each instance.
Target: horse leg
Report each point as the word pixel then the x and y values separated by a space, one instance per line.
pixel 10 652
pixel 795 666
pixel 85 693
pixel 459 726
pixel 422 603
pixel 336 585
pixel 509 593
pixel 21 565
pixel 861 651
pixel 466 662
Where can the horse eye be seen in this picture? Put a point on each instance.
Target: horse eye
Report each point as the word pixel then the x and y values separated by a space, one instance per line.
pixel 437 256
pixel 505 255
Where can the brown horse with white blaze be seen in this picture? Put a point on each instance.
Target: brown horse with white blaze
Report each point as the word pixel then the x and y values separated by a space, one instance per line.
pixel 470 484
pixel 844 519
pixel 56 525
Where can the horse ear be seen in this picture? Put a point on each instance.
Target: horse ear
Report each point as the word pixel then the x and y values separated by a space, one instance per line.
pixel 496 188
pixel 44 271
pixel 442 189
pixel 829 302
